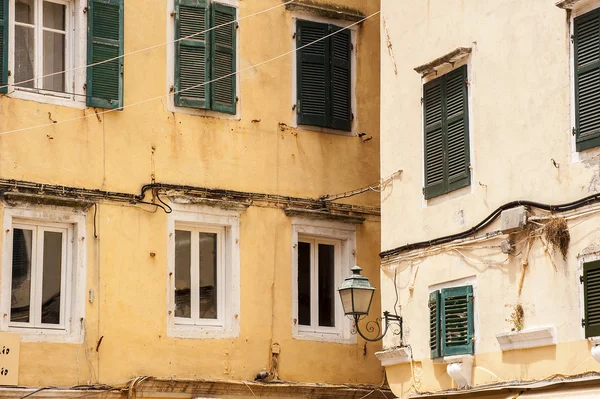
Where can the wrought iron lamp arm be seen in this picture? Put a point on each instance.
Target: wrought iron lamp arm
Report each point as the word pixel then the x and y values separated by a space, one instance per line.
pixel 387 318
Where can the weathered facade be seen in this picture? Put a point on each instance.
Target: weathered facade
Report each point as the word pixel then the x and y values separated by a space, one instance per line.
pixel 490 109
pixel 162 228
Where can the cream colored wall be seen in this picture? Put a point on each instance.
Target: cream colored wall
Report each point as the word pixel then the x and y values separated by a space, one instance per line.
pixel 520 120
pixel 121 151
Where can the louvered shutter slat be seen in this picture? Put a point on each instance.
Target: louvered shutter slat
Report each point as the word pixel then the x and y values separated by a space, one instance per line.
pixel 591 297
pixel 223 56
pixel 341 111
pixel 457 321
pixel 587 79
pixel 105 42
pixel 457 131
pixel 4 44
pixel 434 141
pixel 434 317
pixel 191 54
pixel 313 74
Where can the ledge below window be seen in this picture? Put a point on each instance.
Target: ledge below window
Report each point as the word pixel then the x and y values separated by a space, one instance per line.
pixel 530 338
pixel 393 356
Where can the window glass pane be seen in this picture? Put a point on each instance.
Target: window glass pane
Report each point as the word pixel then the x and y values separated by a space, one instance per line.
pixel 24 11
pixel 24 55
pixel 208 275
pixel 54 61
pixel 326 285
pixel 51 277
pixel 21 275
pixel 183 279
pixel 54 16
pixel 304 283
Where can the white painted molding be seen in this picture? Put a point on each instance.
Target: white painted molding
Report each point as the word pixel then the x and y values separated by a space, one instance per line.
pixel 460 369
pixel 529 338
pixel 393 356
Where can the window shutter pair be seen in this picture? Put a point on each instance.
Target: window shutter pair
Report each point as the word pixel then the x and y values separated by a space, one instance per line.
pixel 586 42
pixel 451 321
pixel 205 61
pixel 323 75
pixel 446 133
pixel 591 298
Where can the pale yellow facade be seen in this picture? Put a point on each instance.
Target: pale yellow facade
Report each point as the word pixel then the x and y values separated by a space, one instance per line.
pixel 521 114
pixel 125 308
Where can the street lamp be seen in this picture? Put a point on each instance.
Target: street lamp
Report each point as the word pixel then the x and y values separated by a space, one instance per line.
pixel 356 294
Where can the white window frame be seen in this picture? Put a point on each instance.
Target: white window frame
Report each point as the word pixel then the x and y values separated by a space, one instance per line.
pixel 343 235
pixel 171 67
pixel 306 16
pixel 583 7
pixel 72 286
pixel 75 57
pixel 226 223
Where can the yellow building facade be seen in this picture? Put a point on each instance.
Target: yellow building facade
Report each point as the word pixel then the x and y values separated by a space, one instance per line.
pixel 167 230
pixel 490 232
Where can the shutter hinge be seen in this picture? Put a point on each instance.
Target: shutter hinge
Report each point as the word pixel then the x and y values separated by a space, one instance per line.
pixel 582 322
pixel 84 86
pixel 574 131
pixel 172 14
pixel 237 99
pixel 423 190
pixel 351 47
pixel 294 107
pixel 237 26
pixel 572 38
pixel 352 116
pixel 294 35
pixel 472 298
pixel 85 10
pixel 581 279
pixel 422 100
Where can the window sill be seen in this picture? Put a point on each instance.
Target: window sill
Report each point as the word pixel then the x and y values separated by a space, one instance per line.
pixel 47 99
pixel 330 338
pixel 326 130
pixel 450 195
pixel 393 356
pixel 529 338
pixel 205 113
pixel 201 332
pixel 41 335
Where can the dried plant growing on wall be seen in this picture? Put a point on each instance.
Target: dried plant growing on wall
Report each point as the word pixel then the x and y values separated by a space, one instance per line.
pixel 557 233
pixel 516 317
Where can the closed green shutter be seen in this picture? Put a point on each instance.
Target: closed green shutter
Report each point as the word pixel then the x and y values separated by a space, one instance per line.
pixel 223 97
pixel 591 298
pixel 105 41
pixel 446 133
pixel 313 74
pixel 587 79
pixel 4 43
pixel 434 324
pixel 341 111
pixel 192 59
pixel 457 321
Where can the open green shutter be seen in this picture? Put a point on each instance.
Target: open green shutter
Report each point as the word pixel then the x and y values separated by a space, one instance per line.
pixel 223 56
pixel 456 127
pixel 434 324
pixel 587 79
pixel 591 298
pixel 191 54
pixel 105 41
pixel 435 176
pixel 457 321
pixel 341 110
pixel 4 43
pixel 313 77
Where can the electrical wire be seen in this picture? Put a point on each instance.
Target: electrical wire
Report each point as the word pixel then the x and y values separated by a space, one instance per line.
pixel 146 48
pixel 191 87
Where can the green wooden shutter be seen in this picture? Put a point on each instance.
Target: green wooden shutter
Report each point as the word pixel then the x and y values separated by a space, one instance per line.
pixel 591 298
pixel 341 52
pixel 223 56
pixel 192 58
pixel 4 43
pixel 457 321
pixel 456 129
pixel 435 176
pixel 587 79
pixel 313 77
pixel 434 324
pixel 105 41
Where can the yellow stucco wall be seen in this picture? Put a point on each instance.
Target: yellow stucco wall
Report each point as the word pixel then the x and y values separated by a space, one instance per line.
pixel 520 119
pixel 121 151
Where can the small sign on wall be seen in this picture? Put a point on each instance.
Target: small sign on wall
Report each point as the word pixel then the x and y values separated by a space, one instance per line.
pixel 9 358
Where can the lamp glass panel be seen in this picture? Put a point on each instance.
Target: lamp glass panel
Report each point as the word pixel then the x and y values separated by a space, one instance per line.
pixel 362 300
pixel 346 297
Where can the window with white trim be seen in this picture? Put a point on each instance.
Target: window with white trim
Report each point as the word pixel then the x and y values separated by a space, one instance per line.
pixel 43 273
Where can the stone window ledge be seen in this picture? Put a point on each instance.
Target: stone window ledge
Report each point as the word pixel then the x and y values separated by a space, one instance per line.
pixel 570 4
pixel 529 338
pixel 392 356
pixel 451 58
